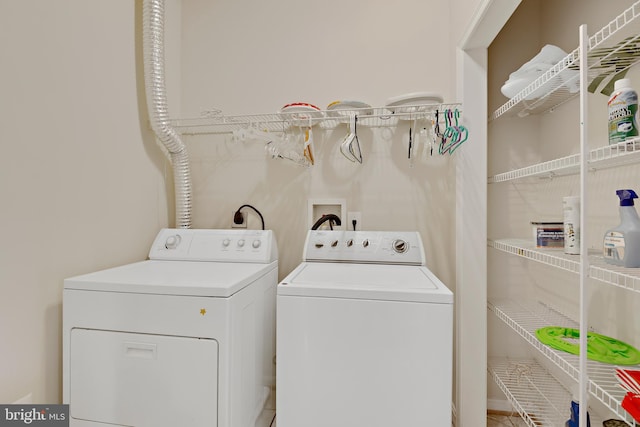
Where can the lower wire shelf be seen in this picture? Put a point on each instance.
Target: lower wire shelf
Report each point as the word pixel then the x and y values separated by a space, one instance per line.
pixel 526 317
pixel 539 398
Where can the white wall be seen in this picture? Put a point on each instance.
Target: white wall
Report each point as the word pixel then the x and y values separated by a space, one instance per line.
pixel 254 57
pixel 83 183
pixel 474 25
pixel 81 179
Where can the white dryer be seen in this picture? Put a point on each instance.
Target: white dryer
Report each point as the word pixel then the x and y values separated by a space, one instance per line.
pixel 186 338
pixel 364 335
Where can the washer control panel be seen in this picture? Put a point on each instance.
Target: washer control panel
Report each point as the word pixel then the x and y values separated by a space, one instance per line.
pixel 186 244
pixel 381 247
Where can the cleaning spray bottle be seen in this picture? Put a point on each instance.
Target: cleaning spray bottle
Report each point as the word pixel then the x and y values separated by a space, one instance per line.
pixel 574 421
pixel 623 109
pixel 622 244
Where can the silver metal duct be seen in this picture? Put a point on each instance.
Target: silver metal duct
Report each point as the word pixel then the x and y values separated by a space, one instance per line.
pixel 153 51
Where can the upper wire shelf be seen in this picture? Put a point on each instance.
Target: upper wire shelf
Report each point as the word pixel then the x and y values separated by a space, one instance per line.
pixel 599 158
pixel 611 51
pixel 323 119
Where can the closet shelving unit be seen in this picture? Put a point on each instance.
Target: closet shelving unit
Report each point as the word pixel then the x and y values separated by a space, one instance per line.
pixel 614 48
pixel 217 123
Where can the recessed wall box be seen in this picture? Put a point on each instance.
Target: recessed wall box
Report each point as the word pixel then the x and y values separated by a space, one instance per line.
pixel 319 207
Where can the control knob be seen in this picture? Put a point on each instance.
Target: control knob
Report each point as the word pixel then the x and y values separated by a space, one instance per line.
pixel 172 242
pixel 400 246
pixel 256 244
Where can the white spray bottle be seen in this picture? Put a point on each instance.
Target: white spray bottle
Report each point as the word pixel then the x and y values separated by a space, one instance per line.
pixel 622 244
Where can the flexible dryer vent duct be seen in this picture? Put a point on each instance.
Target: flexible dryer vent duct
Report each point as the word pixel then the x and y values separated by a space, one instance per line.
pixel 153 51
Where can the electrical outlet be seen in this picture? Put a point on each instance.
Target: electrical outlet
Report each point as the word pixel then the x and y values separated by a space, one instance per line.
pixel 241 215
pixel 354 216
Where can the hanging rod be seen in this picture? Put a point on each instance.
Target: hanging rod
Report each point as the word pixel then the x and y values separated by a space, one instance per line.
pixel 218 123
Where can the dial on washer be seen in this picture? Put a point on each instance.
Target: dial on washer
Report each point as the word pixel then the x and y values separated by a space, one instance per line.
pixel 400 246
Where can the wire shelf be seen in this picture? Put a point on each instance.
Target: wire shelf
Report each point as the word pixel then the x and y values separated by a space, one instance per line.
pixel 627 152
pixel 551 85
pixel 217 123
pixel 623 153
pixel 554 257
pixel 562 166
pixel 525 317
pixel 626 278
pixel 611 51
pixel 540 399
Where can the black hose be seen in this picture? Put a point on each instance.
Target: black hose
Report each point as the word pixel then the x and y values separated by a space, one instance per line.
pixel 329 217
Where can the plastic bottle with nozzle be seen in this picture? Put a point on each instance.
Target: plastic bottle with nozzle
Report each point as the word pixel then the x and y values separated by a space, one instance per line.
pixel 621 244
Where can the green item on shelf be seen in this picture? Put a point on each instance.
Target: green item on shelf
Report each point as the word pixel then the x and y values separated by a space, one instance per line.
pixel 600 348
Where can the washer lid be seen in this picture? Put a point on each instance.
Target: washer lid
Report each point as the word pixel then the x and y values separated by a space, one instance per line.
pixel 365 281
pixel 193 278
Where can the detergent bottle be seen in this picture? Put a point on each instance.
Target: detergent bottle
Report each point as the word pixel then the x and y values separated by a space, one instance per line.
pixel 623 110
pixel 621 244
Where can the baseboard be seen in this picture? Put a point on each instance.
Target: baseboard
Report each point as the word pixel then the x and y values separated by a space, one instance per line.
pixel 454 414
pixel 24 400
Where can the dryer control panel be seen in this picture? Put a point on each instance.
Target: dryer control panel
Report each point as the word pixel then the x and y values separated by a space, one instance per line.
pixel 187 244
pixel 379 247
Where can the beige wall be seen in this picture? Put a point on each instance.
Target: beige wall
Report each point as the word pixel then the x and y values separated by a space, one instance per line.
pixel 254 57
pixel 318 52
pixel 81 180
pixel 83 183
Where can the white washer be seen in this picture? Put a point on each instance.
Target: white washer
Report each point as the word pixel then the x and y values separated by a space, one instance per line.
pixel 186 338
pixel 364 335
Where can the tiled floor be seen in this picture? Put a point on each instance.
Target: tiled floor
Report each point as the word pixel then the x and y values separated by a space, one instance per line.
pixel 492 421
pixel 505 421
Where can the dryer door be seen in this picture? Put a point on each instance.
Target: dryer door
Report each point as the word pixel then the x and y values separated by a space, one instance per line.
pixel 128 379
